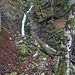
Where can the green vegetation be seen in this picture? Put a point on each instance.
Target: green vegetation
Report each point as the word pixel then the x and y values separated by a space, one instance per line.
pixel 56 38
pixel 61 68
pixel 72 70
pixel 18 61
pixel 33 67
pixel 71 21
pixel 72 7
pixel 28 29
pixel 22 74
pixel 23 49
pixel 55 8
pixel 44 12
pixel 63 2
pixel 26 74
pixel 44 54
pixel 52 26
pixel 13 73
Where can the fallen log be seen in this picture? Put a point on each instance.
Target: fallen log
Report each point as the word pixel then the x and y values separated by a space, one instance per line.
pixel 47 50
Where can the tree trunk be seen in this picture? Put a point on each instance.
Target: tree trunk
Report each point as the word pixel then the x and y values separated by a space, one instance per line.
pixel 47 50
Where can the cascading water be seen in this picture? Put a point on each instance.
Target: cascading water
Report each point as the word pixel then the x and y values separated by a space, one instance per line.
pixel 24 20
pixel 68 45
pixel 23 23
pixel 68 34
pixel 71 16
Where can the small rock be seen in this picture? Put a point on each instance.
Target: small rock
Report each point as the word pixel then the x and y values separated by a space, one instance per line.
pixel 43 74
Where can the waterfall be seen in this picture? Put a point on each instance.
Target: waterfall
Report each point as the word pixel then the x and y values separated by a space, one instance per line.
pixel 24 20
pixel 71 16
pixel 68 33
pixel 68 45
pixel 23 23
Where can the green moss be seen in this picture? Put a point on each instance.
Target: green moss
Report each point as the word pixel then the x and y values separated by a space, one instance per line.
pixel 52 26
pixel 59 36
pixel 40 20
pixel 61 68
pixel 39 13
pixel 18 61
pixel 23 49
pixel 33 67
pixel 52 43
pixel 26 74
pixel 42 53
pixel 10 22
pixel 71 22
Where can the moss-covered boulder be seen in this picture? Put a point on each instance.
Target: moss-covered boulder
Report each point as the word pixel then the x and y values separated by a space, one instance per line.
pixel 71 21
pixel 72 7
pixel 23 49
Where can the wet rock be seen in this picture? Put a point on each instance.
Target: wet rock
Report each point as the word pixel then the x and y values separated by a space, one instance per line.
pixel 72 56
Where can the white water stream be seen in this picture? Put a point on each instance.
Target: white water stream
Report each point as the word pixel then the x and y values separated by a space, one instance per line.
pixel 69 41
pixel 24 20
pixel 68 45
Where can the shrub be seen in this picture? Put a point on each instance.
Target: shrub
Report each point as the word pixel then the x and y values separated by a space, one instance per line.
pixel 52 26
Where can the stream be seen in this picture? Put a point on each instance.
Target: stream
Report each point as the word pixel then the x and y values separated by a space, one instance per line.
pixel 64 61
pixel 23 31
pixel 67 34
pixel 68 45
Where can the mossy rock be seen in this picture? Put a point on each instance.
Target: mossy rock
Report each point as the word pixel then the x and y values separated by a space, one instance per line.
pixel 72 7
pixel 71 22
pixel 61 68
pixel 23 49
